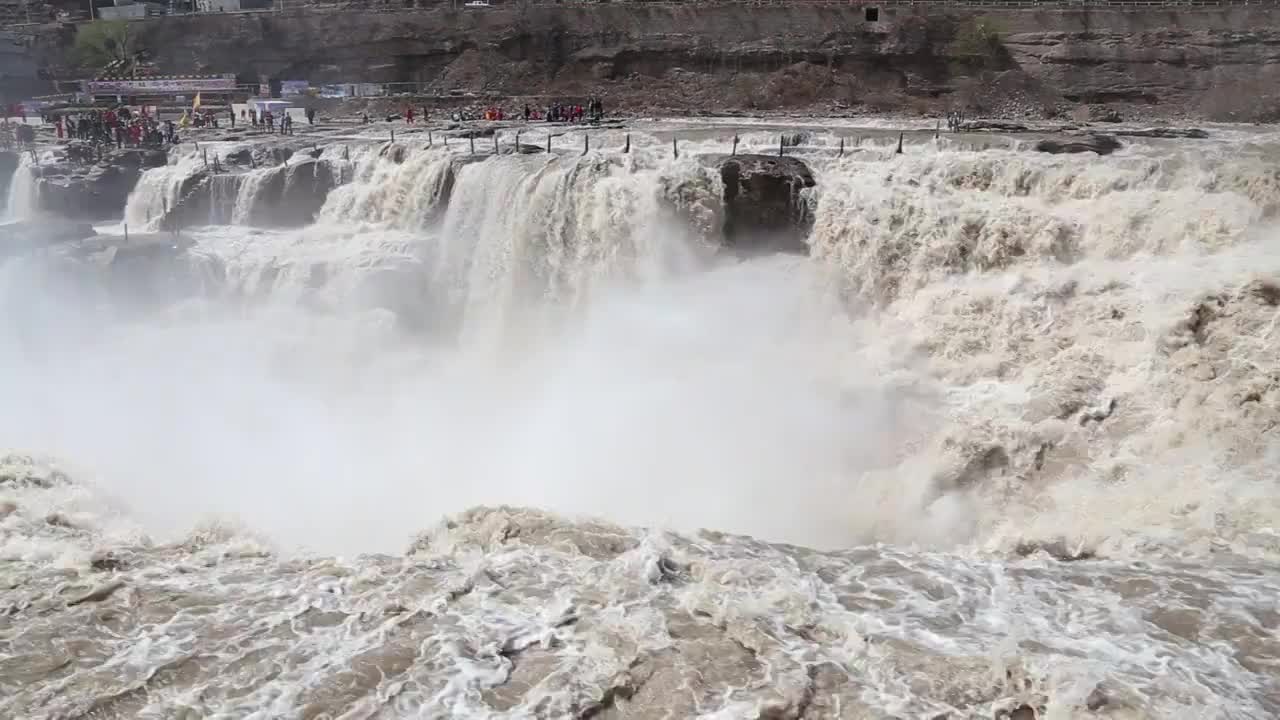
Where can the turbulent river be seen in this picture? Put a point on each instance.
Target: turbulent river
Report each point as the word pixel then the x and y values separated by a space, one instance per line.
pixel 511 439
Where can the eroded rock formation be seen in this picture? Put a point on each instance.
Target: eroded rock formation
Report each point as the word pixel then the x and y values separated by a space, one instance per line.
pixel 765 208
pixel 97 191
pixel 1220 62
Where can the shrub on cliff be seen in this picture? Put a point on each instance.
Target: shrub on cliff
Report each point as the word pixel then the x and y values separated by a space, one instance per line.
pixel 977 38
pixel 107 44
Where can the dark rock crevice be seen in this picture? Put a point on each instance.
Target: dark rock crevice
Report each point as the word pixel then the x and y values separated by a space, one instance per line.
pixel 765 208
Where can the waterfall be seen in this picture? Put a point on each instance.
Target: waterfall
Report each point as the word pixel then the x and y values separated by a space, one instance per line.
pixel 160 190
pixel 23 199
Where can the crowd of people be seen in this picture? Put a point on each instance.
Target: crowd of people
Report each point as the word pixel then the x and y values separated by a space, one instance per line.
pixel 125 127
pixel 208 119
pixel 267 120
pixel 594 111
pixel 120 127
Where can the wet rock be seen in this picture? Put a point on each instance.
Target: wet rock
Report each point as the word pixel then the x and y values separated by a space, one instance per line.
pixel 293 194
pixel 795 139
pixel 140 158
pixel 477 133
pixel 19 475
pixel 16 237
pixel 994 125
pixel 1098 414
pixel 7 508
pixel 96 192
pixel 1097 699
pixel 671 572
pixel 270 151
pixel 290 195
pixel 192 207
pixel 765 209
pixel 59 520
pixel 107 561
pixel 1267 293
pixel 1022 712
pixel 243 156
pixel 394 153
pixel 9 162
pixel 1058 550
pixel 1100 144
pixel 98 594
pixel 1170 133
pixel 983 464
pixel 278 154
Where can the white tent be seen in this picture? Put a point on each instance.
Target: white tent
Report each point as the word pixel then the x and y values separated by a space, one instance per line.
pixel 275 107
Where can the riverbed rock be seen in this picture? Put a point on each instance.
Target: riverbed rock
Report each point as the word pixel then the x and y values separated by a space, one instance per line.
pixel 765 203
pixel 1100 144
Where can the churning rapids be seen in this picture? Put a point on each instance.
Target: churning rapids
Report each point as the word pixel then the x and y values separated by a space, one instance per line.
pixel 1003 445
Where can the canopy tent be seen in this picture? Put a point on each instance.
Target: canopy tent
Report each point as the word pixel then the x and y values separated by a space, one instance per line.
pixel 275 107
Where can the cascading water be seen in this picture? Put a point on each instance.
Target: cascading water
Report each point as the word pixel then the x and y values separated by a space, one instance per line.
pixel 988 354
pixel 160 190
pixel 23 200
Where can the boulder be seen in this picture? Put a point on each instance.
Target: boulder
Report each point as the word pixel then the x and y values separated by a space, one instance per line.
pixel 1100 144
pixel 765 208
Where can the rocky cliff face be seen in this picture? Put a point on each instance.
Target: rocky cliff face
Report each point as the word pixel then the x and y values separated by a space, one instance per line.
pixel 1216 62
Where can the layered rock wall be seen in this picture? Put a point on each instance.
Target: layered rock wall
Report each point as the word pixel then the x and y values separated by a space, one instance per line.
pixel 1219 62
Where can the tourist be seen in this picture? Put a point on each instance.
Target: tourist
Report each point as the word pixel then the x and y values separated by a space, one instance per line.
pixel 231 111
